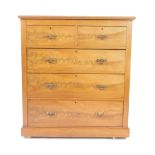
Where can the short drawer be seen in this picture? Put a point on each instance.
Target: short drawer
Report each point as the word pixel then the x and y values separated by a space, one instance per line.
pixel 75 61
pixel 50 113
pixel 76 86
pixel 51 36
pixel 102 37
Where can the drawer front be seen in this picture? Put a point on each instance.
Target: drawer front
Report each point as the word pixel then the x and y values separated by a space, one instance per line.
pixel 102 37
pixel 51 36
pixel 75 61
pixel 79 86
pixel 50 113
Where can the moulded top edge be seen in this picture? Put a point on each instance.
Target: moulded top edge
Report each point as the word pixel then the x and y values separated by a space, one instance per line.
pixel 77 17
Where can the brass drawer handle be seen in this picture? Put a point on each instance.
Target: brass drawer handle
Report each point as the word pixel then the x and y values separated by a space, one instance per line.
pixel 101 36
pixel 101 61
pixel 51 60
pixel 51 113
pixel 51 36
pixel 50 85
pixel 99 114
pixel 101 87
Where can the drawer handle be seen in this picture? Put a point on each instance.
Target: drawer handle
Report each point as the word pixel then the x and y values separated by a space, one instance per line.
pixel 101 36
pixel 51 114
pixel 101 87
pixel 101 61
pixel 51 60
pixel 99 114
pixel 50 85
pixel 51 36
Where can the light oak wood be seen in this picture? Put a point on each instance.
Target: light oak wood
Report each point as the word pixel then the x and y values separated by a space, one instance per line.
pixel 79 86
pixel 51 36
pixel 98 37
pixel 24 70
pixel 127 75
pixel 78 17
pixel 77 22
pixel 87 37
pixel 49 113
pixel 76 132
pixel 75 61
pixel 78 67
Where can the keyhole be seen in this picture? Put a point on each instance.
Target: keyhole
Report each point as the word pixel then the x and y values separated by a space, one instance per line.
pixel 75 102
pixel 50 27
pixel 76 51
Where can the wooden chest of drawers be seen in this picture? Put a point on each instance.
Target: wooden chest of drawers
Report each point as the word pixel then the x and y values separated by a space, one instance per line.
pixel 75 76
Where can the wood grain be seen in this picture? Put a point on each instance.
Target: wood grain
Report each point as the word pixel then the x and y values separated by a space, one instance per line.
pixel 75 61
pixel 127 75
pixel 75 76
pixel 49 113
pixel 87 37
pixel 77 22
pixel 77 17
pixel 24 72
pixel 80 86
pixel 76 132
pixel 50 36
pixel 102 37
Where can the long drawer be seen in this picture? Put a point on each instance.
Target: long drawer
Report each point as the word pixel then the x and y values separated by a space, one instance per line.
pixel 50 113
pixel 79 86
pixel 75 61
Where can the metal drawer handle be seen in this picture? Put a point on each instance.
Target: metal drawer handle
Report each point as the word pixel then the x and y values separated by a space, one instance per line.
pixel 51 60
pixel 51 113
pixel 101 36
pixel 99 114
pixel 101 61
pixel 101 87
pixel 50 85
pixel 51 36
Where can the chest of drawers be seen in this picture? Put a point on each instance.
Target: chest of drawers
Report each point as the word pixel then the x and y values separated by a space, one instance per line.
pixel 75 76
